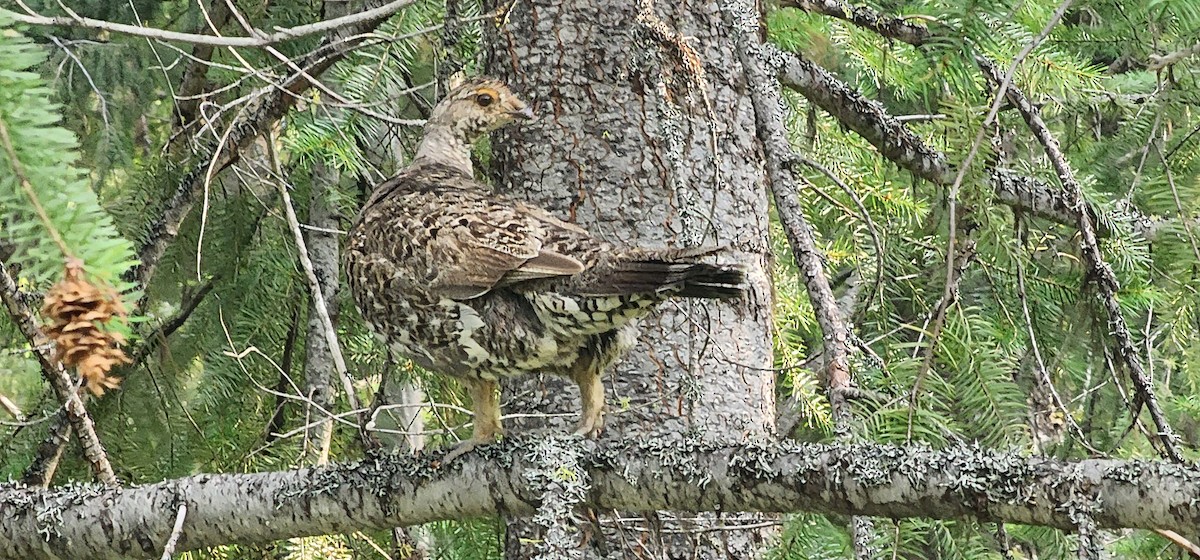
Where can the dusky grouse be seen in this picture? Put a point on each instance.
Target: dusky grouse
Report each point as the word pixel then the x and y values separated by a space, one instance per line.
pixel 479 286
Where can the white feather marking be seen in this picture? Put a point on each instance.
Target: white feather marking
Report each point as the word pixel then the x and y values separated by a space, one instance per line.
pixel 569 305
pixel 468 323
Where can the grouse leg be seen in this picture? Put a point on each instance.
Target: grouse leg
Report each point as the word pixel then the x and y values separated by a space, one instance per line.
pixel 591 393
pixel 485 402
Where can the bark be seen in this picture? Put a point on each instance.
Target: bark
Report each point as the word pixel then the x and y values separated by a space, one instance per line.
pixel 93 521
pixel 624 148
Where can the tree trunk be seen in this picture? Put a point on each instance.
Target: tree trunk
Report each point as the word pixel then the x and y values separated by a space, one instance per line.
pixel 627 148
pixel 319 370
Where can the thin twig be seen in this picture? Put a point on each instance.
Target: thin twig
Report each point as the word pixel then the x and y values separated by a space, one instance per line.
pixel 866 218
pixel 261 40
pixel 1187 226
pixel 87 76
pixel 1004 82
pixel 1043 373
pixel 964 255
pixel 169 548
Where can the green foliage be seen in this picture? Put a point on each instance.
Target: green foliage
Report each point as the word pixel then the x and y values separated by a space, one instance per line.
pixel 208 397
pixel 1130 137
pixel 41 175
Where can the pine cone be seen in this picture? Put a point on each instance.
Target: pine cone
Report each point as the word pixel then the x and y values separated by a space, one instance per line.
pixel 78 311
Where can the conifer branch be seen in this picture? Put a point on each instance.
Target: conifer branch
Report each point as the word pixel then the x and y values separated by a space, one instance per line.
pixel 1072 201
pixel 899 144
pixel 866 18
pixel 957 263
pixel 1098 269
pixel 30 193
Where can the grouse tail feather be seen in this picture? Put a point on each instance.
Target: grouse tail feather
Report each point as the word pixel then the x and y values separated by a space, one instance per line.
pixel 694 280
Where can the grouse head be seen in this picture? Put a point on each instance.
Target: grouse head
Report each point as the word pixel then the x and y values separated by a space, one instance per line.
pixel 477 107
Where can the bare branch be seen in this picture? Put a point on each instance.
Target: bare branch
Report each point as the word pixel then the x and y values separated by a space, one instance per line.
pixel 866 18
pixel 54 372
pixel 779 156
pixel 768 116
pixel 11 408
pixel 865 116
pixel 1180 541
pixel 321 308
pixel 270 105
pixel 1160 62
pixel 176 531
pixel 259 40
pixel 174 322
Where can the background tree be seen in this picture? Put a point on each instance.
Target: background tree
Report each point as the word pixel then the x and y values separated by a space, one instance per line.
pixel 652 162
pixel 981 231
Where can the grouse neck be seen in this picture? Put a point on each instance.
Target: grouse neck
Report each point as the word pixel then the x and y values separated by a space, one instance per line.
pixel 442 145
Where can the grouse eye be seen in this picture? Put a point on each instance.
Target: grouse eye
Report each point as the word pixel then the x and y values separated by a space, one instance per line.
pixel 484 99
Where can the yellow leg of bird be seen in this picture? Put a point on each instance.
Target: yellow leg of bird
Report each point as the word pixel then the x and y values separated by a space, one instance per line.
pixel 485 402
pixel 591 393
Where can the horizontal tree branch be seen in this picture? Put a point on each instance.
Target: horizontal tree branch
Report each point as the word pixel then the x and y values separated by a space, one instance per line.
pixel 259 40
pixel 958 483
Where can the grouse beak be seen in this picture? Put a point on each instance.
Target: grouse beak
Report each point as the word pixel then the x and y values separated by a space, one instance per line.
pixel 525 114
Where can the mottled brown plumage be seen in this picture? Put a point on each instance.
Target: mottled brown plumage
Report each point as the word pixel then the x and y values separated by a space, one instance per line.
pixel 479 286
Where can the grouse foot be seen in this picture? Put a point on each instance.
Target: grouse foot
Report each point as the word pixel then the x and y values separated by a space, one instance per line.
pixel 487 427
pixel 591 396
